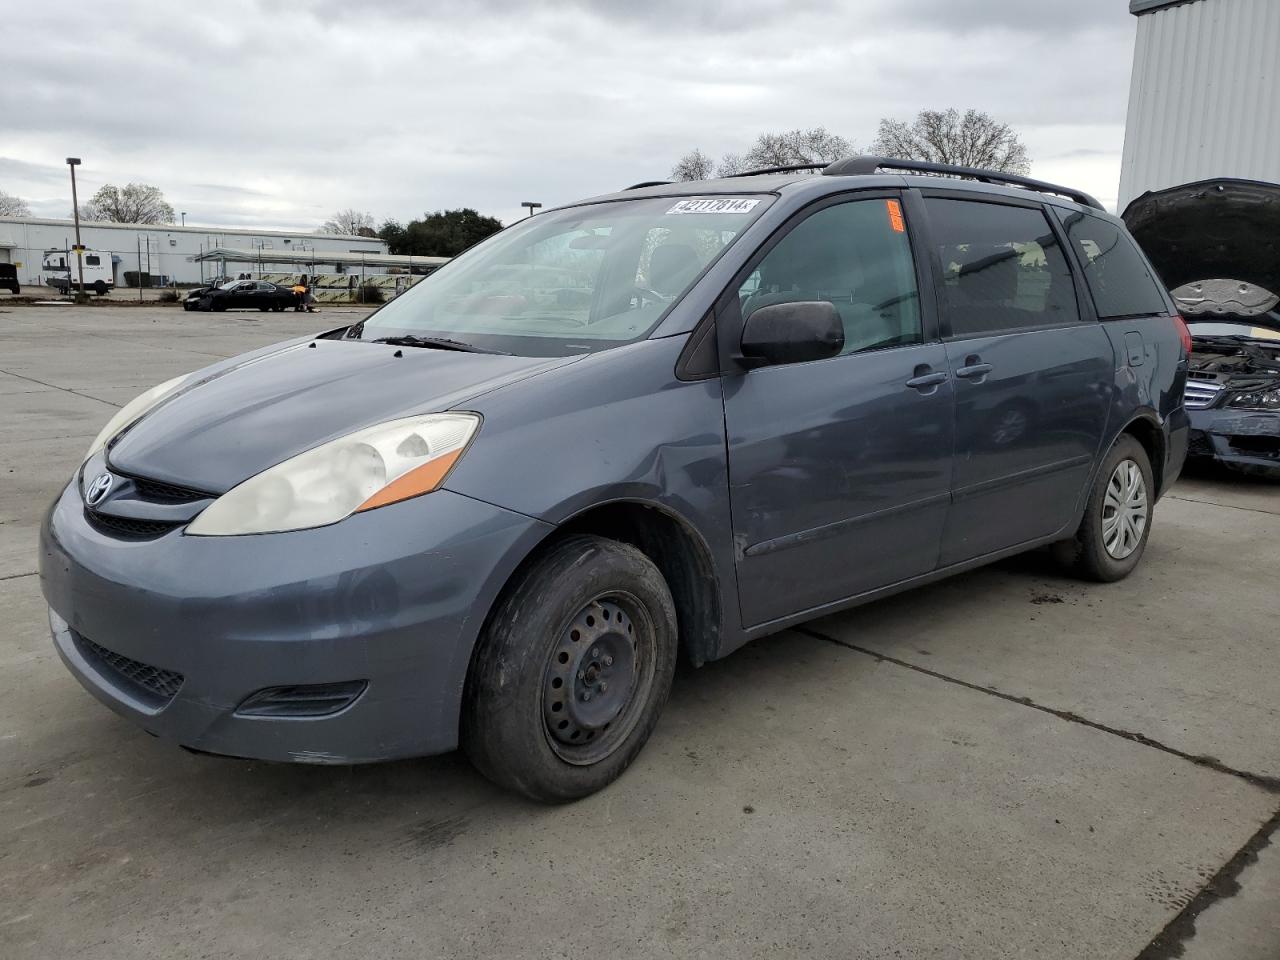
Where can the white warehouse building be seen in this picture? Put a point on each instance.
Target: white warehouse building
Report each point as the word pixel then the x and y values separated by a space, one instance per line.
pixel 170 252
pixel 1204 101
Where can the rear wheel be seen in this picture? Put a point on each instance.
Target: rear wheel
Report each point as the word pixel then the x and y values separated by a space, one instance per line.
pixel 572 671
pixel 100 288
pixel 1117 517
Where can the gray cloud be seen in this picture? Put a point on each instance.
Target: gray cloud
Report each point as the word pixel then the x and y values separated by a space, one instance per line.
pixel 252 114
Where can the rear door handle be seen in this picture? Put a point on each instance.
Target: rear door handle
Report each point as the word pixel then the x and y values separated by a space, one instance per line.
pixel 927 380
pixel 973 370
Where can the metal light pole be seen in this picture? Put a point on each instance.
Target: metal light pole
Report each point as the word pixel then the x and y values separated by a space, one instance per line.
pixel 184 218
pixel 74 162
pixel 531 205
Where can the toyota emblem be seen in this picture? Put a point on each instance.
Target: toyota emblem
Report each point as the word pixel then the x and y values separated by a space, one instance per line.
pixel 99 489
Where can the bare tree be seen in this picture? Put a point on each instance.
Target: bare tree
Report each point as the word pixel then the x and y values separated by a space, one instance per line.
pixel 133 203
pixel 11 206
pixel 694 165
pixel 350 223
pixel 816 145
pixel 971 139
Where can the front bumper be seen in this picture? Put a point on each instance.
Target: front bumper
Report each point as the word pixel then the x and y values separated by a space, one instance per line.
pixel 394 597
pixel 1243 440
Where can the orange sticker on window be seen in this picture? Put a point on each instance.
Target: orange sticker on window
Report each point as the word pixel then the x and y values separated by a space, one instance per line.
pixel 895 216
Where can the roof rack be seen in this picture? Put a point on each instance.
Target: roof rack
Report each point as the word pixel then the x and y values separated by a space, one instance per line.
pixel 861 166
pixel 647 183
pixel 790 168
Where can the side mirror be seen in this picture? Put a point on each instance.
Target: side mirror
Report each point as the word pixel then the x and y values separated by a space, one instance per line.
pixel 792 333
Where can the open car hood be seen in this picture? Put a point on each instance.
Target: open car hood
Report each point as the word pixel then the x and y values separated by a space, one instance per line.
pixel 1216 245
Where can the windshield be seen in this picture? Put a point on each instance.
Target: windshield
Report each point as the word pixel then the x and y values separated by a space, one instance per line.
pixel 1237 326
pixel 570 281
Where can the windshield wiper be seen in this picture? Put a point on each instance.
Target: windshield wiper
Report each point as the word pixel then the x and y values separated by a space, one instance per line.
pixel 435 343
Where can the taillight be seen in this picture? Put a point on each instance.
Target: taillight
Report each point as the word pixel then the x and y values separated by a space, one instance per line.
pixel 1184 333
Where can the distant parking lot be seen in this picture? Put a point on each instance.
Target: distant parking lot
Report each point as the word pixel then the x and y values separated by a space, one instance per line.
pixel 1005 764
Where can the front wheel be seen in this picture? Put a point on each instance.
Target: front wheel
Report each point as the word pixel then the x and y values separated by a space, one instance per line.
pixel 572 671
pixel 1117 517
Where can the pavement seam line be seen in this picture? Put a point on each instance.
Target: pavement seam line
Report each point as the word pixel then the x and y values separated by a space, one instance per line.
pixel 1229 506
pixel 1269 784
pixel 1223 885
pixel 18 576
pixel 54 386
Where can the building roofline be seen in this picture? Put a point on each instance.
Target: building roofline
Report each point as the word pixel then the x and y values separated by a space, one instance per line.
pixel 190 228
pixel 1139 7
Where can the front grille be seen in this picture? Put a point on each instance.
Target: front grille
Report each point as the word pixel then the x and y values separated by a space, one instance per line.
pixel 1200 394
pixel 162 685
pixel 128 528
pixel 157 492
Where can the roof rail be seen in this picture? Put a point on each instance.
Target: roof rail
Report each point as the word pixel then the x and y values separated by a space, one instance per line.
pixel 647 183
pixel 789 168
pixel 861 166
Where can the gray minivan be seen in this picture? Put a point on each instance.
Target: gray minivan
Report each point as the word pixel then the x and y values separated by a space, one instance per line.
pixel 668 420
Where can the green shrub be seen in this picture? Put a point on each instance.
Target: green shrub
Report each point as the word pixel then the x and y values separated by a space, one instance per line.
pixel 169 296
pixel 372 293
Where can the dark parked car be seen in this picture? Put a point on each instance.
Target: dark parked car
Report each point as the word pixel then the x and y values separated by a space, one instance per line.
pixel 242 295
pixel 494 512
pixel 9 278
pixel 196 294
pixel 1214 243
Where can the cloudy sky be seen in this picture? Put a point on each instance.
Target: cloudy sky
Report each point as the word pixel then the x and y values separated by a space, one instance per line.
pixel 277 114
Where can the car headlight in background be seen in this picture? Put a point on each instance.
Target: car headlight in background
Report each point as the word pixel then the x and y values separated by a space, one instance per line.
pixel 131 412
pixel 1258 400
pixel 370 468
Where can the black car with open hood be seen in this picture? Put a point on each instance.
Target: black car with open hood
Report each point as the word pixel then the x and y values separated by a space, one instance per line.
pixel 1216 244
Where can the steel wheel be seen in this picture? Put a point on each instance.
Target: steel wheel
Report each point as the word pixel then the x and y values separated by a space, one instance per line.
pixel 598 678
pixel 1124 510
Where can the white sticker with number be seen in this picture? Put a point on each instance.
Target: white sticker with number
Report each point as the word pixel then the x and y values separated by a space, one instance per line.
pixel 715 205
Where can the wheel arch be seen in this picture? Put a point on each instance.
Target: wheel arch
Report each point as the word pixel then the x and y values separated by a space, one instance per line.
pixel 675 547
pixel 1147 430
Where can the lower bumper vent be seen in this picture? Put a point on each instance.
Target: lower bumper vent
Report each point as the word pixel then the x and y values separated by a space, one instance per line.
pixel 310 700
pixel 157 686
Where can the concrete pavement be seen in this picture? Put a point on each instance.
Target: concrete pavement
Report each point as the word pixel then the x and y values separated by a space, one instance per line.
pixel 1007 764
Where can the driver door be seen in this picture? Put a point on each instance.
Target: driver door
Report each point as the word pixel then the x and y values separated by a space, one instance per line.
pixel 839 469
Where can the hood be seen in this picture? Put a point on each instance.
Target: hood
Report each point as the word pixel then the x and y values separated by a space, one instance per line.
pixel 240 418
pixel 1215 244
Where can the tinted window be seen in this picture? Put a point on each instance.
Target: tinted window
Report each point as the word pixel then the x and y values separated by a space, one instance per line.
pixel 1002 267
pixel 854 255
pixel 1118 279
pixel 92 260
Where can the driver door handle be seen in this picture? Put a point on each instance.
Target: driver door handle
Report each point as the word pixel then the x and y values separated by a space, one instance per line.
pixel 927 380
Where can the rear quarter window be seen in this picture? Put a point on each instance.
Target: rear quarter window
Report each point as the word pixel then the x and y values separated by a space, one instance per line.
pixel 1118 278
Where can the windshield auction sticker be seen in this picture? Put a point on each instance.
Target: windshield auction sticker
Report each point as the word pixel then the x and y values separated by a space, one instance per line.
pixel 715 205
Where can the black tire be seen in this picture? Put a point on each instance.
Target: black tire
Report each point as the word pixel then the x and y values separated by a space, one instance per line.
pixel 263 309
pixel 100 288
pixel 554 642
pixel 1087 554
pixel 217 306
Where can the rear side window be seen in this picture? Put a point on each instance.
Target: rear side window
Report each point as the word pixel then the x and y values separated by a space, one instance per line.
pixel 1002 267
pixel 92 260
pixel 854 255
pixel 1118 278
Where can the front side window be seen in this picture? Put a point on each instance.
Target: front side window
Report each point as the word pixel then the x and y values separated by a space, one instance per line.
pixel 1002 267
pixel 854 255
pixel 1117 277
pixel 571 281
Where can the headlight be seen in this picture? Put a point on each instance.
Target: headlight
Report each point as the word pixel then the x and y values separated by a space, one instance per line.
pixel 1258 400
pixel 371 468
pixel 131 412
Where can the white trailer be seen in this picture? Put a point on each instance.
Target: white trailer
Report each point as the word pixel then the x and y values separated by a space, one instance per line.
pixel 60 271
